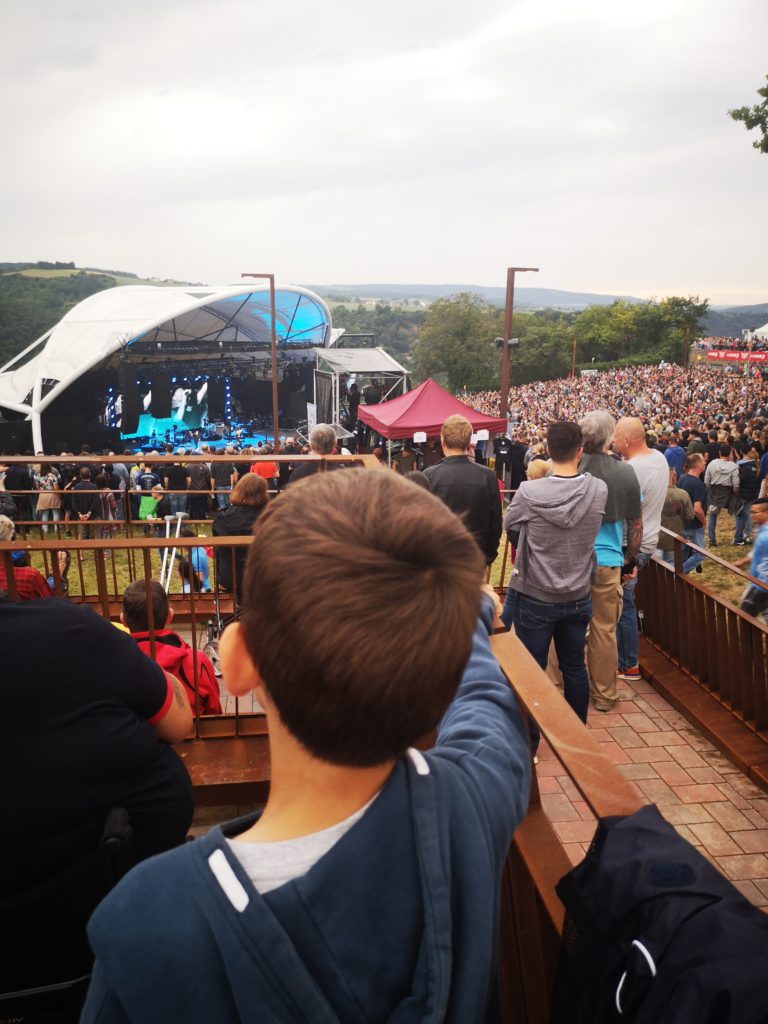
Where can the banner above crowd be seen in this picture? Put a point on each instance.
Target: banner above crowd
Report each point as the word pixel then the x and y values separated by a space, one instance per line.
pixel 734 356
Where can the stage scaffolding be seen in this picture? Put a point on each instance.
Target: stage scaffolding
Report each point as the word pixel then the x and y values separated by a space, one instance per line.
pixel 365 365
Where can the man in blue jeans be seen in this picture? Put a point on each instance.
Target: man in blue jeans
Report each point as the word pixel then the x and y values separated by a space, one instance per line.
pixel 554 522
pixel 692 483
pixel 653 474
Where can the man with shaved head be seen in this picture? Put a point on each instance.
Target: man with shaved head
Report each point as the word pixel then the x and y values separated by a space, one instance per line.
pixel 652 472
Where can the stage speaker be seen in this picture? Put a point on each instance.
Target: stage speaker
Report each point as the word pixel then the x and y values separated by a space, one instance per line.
pixel 15 437
pixel 216 400
pixel 129 390
pixel 64 433
pixel 160 405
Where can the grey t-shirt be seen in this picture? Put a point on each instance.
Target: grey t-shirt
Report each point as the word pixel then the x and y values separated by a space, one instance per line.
pixel 653 473
pixel 270 865
pixel 623 500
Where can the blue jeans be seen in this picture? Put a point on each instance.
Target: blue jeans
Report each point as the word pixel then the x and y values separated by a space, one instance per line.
pixel 712 513
pixel 178 503
pixel 693 558
pixel 744 522
pixel 627 634
pixel 222 497
pixel 537 623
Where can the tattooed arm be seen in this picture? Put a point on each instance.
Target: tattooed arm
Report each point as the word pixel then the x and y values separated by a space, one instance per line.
pixel 175 723
pixel 634 536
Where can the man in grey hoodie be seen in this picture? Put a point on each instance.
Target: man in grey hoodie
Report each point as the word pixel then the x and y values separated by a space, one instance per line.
pixel 555 521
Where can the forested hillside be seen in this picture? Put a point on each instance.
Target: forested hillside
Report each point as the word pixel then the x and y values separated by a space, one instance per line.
pixel 29 306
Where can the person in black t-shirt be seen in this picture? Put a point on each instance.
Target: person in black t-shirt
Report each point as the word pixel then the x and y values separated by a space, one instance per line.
pixel 85 503
pixel 177 479
pixel 84 734
pixel 694 486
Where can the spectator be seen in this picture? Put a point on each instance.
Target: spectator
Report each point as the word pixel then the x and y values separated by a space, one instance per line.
pixel 198 558
pixel 675 515
pixel 622 516
pixel 30 584
pixel 405 461
pixel 467 488
pixel 675 455
pixel 349 802
pixel 90 732
pixel 49 499
pixel 722 482
pixel 754 600
pixel 693 485
pixel 107 508
pixel 322 441
pixel 420 479
pixel 177 481
pixel 85 503
pixel 553 523
pixel 19 480
pixel 224 476
pixel 154 506
pixel 748 468
pixel 653 473
pixel 172 652
pixel 199 476
pixel 249 499
pixel 267 470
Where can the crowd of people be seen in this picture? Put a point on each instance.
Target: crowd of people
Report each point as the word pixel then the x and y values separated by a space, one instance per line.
pixel 668 397
pixel 751 343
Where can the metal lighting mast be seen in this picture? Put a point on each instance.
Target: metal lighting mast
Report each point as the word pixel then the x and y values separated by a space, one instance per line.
pixel 271 279
pixel 511 271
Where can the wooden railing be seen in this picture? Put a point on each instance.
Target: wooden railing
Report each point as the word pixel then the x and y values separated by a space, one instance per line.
pixel 719 651
pixel 531 912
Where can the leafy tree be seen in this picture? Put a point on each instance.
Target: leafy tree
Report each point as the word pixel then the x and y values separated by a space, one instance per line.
pixel 681 318
pixel 544 352
pixel 456 342
pixel 755 117
pixel 396 329
pixel 607 333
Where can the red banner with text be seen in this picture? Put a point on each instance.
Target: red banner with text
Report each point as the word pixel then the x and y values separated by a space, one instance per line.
pixel 731 356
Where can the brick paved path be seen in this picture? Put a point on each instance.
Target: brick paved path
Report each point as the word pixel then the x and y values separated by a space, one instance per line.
pixel 708 800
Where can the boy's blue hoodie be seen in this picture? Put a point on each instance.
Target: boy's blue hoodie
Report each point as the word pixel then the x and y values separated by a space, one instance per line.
pixel 397 922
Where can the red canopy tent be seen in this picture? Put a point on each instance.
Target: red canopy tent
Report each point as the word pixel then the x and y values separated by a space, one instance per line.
pixel 424 409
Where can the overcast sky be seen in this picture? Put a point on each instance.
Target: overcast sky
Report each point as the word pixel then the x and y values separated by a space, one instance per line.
pixel 362 141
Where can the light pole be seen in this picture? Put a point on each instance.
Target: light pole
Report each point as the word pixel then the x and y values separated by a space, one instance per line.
pixel 271 279
pixel 511 271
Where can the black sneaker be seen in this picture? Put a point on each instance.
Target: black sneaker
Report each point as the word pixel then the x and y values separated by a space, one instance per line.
pixel 698 568
pixel 739 543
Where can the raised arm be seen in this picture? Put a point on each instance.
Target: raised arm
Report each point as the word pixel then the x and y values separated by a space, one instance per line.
pixel 482 731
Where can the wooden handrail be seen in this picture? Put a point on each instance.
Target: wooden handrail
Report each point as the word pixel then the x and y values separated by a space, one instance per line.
pixel 604 788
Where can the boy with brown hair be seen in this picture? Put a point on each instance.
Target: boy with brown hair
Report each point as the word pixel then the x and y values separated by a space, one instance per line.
pixel 367 889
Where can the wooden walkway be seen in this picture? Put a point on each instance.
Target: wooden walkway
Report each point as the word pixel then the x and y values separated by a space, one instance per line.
pixel 708 800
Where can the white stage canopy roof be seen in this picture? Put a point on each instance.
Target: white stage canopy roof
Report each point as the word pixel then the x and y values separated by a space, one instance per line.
pixel 114 319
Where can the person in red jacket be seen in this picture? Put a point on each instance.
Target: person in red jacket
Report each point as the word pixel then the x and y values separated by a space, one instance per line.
pixel 172 652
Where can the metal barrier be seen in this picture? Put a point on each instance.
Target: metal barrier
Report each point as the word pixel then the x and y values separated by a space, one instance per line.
pixel 719 651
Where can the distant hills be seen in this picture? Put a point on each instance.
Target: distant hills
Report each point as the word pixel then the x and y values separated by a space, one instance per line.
pixel 525 298
pixel 720 321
